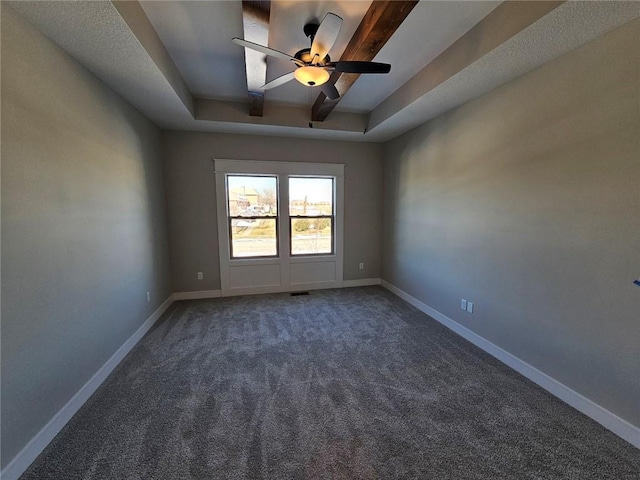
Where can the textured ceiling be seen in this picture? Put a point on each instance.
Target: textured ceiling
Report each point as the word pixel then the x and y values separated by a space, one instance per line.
pixel 198 37
pixel 569 26
pixel 120 46
pixel 95 35
pixel 427 32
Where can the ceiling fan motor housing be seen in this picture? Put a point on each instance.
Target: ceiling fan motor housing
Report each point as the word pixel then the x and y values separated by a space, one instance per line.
pixel 304 55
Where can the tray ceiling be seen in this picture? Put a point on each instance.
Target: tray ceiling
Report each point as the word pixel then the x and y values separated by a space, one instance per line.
pixel 174 60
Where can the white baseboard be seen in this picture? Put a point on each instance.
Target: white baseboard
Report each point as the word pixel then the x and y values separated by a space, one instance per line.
pixel 37 444
pixel 196 295
pixel 363 282
pixel 604 417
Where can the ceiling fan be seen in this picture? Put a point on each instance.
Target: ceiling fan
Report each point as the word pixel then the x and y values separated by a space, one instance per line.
pixel 313 65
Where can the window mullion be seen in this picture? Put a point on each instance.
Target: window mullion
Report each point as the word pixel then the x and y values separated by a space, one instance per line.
pixel 283 215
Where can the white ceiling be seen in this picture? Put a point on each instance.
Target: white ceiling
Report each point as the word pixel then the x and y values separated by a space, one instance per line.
pixel 197 37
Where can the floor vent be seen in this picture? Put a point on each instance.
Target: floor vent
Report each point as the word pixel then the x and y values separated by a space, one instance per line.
pixel 295 294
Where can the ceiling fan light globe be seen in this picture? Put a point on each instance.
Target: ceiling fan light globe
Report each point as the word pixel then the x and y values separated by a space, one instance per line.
pixel 311 76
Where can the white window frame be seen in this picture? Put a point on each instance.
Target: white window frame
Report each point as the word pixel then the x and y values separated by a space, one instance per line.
pixel 282 170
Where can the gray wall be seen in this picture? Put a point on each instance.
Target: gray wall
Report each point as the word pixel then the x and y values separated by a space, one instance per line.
pixel 83 228
pixel 526 201
pixel 192 216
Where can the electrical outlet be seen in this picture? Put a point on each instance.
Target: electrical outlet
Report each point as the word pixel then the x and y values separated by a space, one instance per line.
pixel 361 266
pixel 470 307
pixel 148 296
pixel 463 304
pixel 200 276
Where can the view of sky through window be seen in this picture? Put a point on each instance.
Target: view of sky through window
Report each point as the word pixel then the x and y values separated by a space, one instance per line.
pixel 317 190
pixel 257 183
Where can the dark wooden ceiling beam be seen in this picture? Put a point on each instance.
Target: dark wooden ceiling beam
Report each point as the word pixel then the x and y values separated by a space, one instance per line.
pixel 378 25
pixel 255 22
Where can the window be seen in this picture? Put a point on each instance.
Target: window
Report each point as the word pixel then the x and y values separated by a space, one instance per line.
pixel 252 208
pixel 280 225
pixel 311 215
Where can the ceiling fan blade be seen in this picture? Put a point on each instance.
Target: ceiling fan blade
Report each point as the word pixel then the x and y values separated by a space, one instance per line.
pixel 325 37
pixel 330 90
pixel 262 49
pixel 360 67
pixel 276 82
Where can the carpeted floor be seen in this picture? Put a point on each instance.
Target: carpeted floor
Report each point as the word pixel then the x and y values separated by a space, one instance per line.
pixel 339 384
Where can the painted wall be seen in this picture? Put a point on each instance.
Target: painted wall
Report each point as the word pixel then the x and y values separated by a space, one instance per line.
pixel 190 188
pixel 83 228
pixel 526 201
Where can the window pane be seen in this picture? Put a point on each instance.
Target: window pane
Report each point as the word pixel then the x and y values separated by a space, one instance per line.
pixel 252 196
pixel 310 196
pixel 311 236
pixel 253 238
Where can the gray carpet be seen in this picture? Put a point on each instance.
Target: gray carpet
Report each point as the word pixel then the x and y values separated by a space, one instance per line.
pixel 340 384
